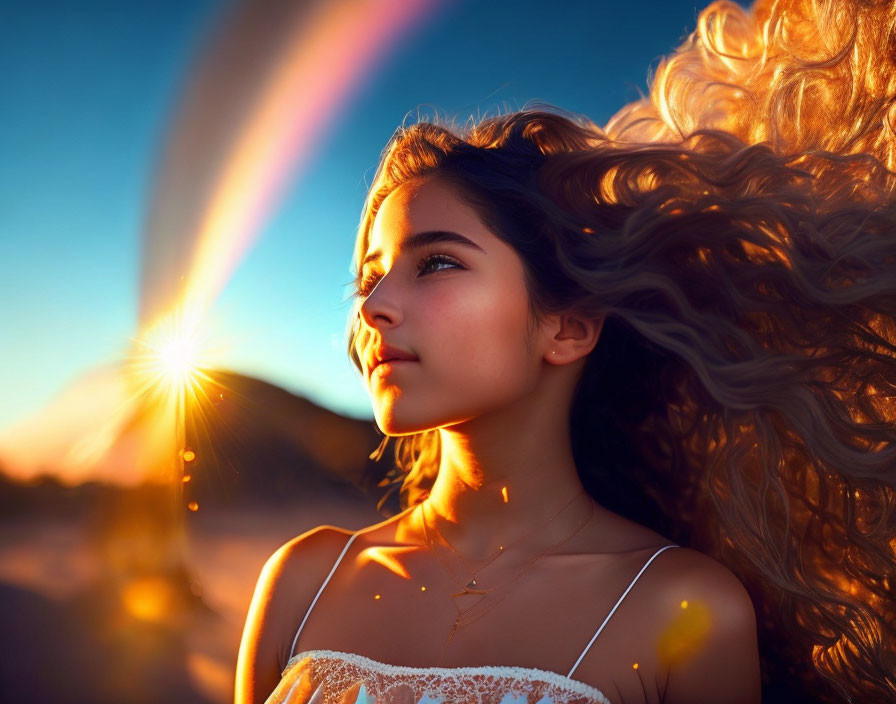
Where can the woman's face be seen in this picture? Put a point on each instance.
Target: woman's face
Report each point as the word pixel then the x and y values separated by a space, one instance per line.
pixel 442 288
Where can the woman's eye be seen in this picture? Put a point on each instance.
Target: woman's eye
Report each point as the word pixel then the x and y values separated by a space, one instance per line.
pixel 428 264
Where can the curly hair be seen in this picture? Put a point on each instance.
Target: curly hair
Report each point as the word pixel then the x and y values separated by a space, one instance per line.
pixel 736 230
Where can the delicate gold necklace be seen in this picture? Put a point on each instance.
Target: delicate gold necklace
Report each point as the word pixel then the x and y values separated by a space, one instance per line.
pixel 518 574
pixel 472 586
pixel 459 621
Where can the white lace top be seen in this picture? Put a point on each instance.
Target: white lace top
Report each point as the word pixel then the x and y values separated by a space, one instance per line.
pixel 336 677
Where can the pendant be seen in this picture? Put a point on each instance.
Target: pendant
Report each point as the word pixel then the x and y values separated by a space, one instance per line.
pixel 470 588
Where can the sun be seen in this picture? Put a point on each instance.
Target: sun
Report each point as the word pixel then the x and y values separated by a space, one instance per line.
pixel 168 357
pixel 179 358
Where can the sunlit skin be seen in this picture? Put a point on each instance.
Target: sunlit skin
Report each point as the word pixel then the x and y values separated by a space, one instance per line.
pixel 387 558
pixel 498 388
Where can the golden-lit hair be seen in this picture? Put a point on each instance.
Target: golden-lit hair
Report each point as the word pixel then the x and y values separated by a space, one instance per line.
pixel 737 231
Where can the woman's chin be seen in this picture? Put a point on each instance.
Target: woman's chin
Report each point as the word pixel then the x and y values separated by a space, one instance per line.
pixel 396 428
pixel 392 422
pixel 397 422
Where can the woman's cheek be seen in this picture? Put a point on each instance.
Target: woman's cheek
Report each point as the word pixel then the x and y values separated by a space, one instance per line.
pixel 481 336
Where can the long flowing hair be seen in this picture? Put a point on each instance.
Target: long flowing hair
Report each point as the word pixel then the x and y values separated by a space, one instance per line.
pixel 736 229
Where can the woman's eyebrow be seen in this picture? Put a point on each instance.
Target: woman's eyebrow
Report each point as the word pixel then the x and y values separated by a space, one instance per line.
pixel 421 239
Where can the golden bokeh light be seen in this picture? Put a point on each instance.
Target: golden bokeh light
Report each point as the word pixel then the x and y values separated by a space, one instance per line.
pixel 684 635
pixel 148 598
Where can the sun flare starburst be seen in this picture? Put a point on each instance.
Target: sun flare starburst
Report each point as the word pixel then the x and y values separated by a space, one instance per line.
pixel 178 358
pixel 168 360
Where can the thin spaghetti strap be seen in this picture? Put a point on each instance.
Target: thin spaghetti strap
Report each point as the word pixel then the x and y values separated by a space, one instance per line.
pixel 319 592
pixel 613 610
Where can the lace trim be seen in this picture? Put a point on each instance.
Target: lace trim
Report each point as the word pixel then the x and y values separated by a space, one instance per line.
pixel 498 676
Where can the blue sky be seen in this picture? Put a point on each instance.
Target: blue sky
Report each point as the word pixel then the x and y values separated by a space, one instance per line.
pixel 86 91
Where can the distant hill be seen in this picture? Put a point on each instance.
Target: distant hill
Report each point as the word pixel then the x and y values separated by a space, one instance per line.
pixel 254 439
pixel 252 442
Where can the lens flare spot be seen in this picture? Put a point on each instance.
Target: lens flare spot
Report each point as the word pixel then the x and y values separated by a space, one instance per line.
pixel 189 456
pixel 376 596
pixel 193 506
pixel 148 598
pixel 422 589
pixel 634 666
pixel 684 635
pixel 187 478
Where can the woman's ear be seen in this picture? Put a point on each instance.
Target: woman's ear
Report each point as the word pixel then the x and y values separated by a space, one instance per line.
pixel 573 337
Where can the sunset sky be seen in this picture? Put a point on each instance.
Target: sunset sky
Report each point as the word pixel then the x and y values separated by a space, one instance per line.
pixel 87 92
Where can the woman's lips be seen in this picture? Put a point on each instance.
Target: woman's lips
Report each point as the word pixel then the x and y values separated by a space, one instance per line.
pixel 386 354
pixel 389 364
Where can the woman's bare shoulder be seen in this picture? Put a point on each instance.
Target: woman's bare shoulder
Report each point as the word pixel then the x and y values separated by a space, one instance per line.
pixel 299 566
pixel 703 627
pixel 686 576
pixel 296 569
pixel 285 589
pixel 305 550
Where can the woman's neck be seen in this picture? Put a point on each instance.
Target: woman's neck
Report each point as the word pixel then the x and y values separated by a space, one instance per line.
pixel 501 476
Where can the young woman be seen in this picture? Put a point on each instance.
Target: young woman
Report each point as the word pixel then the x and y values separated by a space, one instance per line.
pixel 624 366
